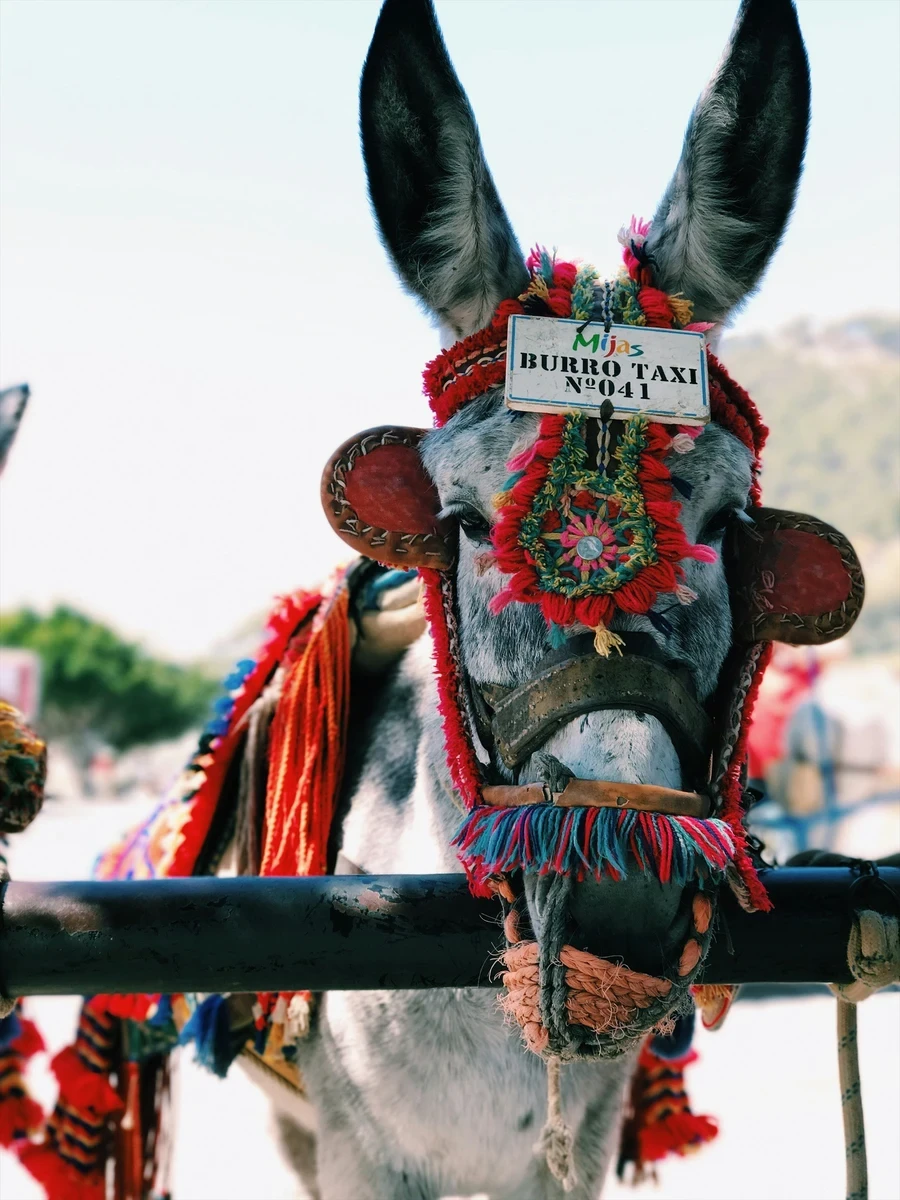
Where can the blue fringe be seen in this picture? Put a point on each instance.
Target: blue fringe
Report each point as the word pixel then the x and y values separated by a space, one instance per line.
pixel 163 1014
pixel 557 636
pixel 210 1029
pixel 242 669
pixel 542 837
pixel 9 1029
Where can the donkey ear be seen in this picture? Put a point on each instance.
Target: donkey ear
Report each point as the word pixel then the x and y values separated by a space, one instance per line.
pixel 12 406
pixel 730 198
pixel 380 500
pixel 792 579
pixel 440 217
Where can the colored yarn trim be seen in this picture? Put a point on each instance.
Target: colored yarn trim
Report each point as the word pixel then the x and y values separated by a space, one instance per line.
pixel 440 611
pixel 556 500
pixel 306 746
pixel 20 1115
pixel 82 1069
pixel 71 1163
pixel 732 792
pixel 583 842
pixel 659 1120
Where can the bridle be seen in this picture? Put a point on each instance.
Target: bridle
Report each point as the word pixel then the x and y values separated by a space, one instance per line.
pixel 573 681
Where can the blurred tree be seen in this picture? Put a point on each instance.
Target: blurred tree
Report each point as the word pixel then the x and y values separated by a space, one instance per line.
pixel 98 689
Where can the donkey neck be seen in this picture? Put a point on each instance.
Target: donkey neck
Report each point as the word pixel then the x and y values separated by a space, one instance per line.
pixel 402 814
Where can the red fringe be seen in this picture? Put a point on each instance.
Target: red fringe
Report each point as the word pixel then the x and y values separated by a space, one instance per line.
pixel 81 1087
pixel 637 595
pixel 733 796
pixel 659 1120
pixel 20 1115
pixel 29 1042
pixel 60 1179
pixel 457 376
pixel 129 1008
pixel 461 760
pixel 307 743
pixel 677 1133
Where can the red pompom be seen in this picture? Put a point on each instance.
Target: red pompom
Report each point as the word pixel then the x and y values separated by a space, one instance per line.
pixel 60 1179
pixel 29 1042
pixel 82 1087
pixel 678 1133
pixel 20 1116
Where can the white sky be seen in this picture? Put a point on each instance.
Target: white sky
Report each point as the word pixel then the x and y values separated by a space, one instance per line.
pixel 191 282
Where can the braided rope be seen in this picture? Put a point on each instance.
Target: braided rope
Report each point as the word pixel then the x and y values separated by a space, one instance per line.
pixel 570 1003
pixel 873 956
pixel 851 1103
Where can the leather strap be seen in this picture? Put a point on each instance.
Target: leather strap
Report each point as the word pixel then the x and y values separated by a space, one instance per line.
pixel 525 717
pixel 597 793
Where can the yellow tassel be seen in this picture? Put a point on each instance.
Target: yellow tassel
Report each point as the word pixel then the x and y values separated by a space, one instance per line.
pixel 605 641
pixel 682 309
pixel 501 499
pixel 537 287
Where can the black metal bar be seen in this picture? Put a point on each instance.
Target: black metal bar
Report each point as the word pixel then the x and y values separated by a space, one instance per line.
pixel 353 932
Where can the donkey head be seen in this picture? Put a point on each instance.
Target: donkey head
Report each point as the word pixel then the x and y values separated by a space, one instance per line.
pixel 718 225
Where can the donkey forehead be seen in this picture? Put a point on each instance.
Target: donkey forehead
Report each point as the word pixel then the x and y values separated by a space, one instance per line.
pixel 467 457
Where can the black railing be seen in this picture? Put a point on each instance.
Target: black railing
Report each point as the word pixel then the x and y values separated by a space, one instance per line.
pixel 361 932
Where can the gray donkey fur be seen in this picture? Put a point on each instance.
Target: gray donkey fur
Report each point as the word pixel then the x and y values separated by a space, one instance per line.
pixel 419 1095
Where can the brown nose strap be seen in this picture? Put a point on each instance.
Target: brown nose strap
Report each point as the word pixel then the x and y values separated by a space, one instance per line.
pixel 597 793
pixel 525 717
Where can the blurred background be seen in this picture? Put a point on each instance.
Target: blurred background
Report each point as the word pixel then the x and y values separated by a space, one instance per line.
pixel 192 286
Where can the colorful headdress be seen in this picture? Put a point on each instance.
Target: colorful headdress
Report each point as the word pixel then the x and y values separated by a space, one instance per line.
pixel 585 541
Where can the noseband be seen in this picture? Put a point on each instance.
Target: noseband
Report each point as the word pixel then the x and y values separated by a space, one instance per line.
pixel 573 681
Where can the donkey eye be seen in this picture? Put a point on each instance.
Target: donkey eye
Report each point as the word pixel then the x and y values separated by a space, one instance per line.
pixel 473 525
pixel 470 521
pixel 717 524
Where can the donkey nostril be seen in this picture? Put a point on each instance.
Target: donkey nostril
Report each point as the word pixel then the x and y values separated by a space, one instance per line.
pixel 638 920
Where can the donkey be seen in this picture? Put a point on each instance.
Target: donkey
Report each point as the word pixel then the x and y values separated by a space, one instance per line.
pixel 426 1094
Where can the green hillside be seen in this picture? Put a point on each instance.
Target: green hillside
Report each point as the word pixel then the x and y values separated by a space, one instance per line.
pixel 831 398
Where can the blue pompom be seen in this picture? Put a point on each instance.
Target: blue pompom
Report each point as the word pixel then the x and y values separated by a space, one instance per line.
pixel 677 1043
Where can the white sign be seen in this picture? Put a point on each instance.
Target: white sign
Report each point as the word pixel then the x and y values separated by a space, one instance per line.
pixel 559 365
